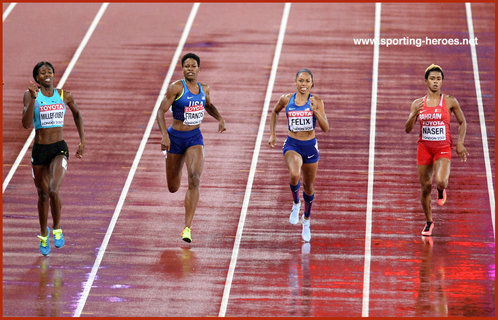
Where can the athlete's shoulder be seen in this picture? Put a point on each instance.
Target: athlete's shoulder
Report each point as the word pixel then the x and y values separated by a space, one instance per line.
pixel 451 101
pixel 204 86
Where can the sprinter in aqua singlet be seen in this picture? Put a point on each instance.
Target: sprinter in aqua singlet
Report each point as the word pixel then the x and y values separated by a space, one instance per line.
pixel 44 108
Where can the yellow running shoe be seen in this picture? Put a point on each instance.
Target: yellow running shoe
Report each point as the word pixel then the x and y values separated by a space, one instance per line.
pixel 186 235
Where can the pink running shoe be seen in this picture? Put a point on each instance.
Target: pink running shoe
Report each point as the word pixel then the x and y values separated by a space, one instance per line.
pixel 443 200
pixel 429 226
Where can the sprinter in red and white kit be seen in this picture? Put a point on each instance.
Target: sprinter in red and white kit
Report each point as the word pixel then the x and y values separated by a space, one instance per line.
pixel 435 142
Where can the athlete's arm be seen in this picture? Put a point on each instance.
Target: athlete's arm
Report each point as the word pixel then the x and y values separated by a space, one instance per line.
pixel 282 102
pixel 454 107
pixel 29 105
pixel 211 109
pixel 414 111
pixel 173 91
pixel 319 111
pixel 78 121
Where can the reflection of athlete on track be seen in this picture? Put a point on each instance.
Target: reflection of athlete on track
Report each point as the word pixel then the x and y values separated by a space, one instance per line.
pixel 301 148
pixel 183 139
pixel 45 107
pixel 434 143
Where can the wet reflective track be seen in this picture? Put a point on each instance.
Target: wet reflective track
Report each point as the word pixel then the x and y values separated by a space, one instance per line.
pixel 354 265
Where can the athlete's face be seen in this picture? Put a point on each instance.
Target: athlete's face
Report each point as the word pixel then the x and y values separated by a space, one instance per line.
pixel 434 81
pixel 45 76
pixel 190 69
pixel 304 82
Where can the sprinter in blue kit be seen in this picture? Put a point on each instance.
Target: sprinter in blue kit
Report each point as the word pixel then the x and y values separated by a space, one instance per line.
pixel 301 148
pixel 182 142
pixel 44 108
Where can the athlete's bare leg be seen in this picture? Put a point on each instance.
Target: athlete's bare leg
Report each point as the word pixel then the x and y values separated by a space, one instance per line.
pixel 174 167
pixel 194 159
pixel 41 175
pixel 425 177
pixel 57 170
pixel 442 172
pixel 294 162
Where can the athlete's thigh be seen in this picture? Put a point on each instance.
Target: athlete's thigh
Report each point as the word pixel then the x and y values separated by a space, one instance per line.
pixel 174 166
pixel 58 168
pixel 194 159
pixel 442 167
pixel 41 175
pixel 309 172
pixel 293 160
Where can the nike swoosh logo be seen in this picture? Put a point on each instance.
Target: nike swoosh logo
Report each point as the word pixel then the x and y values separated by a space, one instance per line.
pixel 189 98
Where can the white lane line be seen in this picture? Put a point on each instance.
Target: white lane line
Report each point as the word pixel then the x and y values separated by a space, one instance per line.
pixel 8 11
pixel 482 120
pixel 254 162
pixel 63 79
pixel 371 167
pixel 136 161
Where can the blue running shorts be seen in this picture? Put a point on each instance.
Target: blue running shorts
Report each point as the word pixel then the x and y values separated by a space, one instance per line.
pixel 308 149
pixel 182 140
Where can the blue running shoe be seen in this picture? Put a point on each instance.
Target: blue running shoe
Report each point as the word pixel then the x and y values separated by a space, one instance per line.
pixel 45 243
pixel 58 238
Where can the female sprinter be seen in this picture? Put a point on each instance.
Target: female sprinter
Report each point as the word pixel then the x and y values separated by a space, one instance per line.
pixel 434 142
pixel 44 107
pixel 183 139
pixel 301 148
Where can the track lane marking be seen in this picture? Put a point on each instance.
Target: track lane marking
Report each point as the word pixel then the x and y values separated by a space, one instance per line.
pixel 254 162
pixel 8 11
pixel 61 83
pixel 371 166
pixel 482 119
pixel 141 148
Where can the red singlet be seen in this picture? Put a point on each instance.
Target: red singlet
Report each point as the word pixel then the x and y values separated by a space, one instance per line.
pixel 434 141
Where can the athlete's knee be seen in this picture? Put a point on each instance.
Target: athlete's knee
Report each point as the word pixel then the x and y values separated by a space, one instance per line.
pixel 53 193
pixel 426 188
pixel 194 180
pixel 43 194
pixel 309 188
pixel 173 187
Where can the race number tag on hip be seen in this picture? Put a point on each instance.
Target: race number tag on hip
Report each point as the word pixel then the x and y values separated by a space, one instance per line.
pixel 193 115
pixel 301 120
pixel 52 115
pixel 434 133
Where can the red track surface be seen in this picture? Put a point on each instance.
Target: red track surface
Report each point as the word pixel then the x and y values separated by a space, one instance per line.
pixel 147 270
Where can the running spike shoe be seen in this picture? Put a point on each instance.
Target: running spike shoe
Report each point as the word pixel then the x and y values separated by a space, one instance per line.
pixel 442 200
pixel 294 215
pixel 306 229
pixel 186 235
pixel 45 243
pixel 429 226
pixel 58 238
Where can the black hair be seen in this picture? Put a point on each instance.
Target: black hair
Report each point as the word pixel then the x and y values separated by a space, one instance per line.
pixel 307 71
pixel 433 67
pixel 39 65
pixel 191 55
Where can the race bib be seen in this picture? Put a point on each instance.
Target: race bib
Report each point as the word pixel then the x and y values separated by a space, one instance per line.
pixel 52 115
pixel 193 115
pixel 434 133
pixel 300 120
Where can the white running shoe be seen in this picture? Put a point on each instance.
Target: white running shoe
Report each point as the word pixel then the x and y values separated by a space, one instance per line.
pixel 306 229
pixel 294 216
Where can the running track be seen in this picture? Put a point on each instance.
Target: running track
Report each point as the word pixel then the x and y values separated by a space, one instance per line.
pixel 147 270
